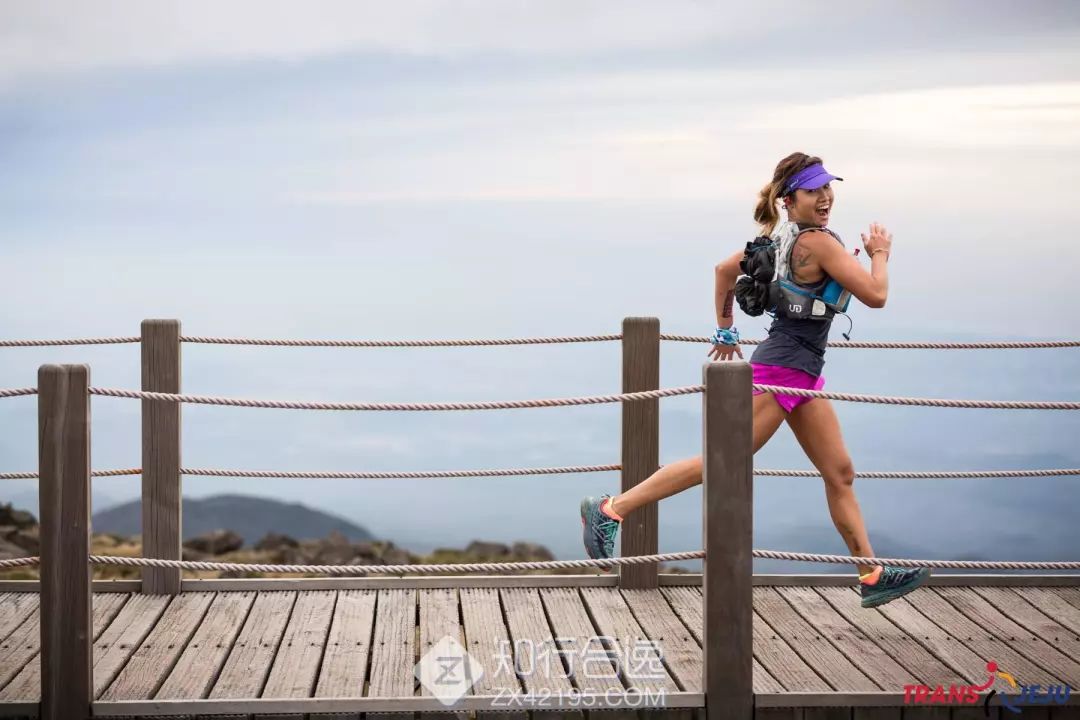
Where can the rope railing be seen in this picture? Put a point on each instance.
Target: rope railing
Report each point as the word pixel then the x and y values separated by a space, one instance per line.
pixel 79 341
pixel 852 344
pixel 16 392
pixel 513 472
pixel 586 400
pixel 386 406
pixel 431 568
pixel 893 345
pixel 401 343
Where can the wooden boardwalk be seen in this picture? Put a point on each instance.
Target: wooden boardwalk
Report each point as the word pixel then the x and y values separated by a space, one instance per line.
pixel 813 644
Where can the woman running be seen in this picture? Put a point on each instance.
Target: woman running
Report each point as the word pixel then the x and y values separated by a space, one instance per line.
pixel 813 261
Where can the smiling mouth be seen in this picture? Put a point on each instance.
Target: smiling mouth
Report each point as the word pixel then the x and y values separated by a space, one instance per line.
pixel 823 211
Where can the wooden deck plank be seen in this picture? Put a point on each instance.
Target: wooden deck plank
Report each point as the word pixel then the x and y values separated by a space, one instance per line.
pixel 15 607
pixel 248 664
pixel 676 646
pixel 439 618
pixel 393 644
pixel 1071 595
pixel 687 602
pixel 151 663
pixel 1020 639
pixel 133 623
pixel 393 647
pixel 920 663
pixel 1049 629
pixel 26 687
pixel 782 662
pixel 18 648
pixel 530 635
pixel 198 667
pixel 976 636
pixel 878 665
pixel 488 640
pixel 817 652
pixel 345 663
pixel 955 655
pixel 1054 605
pixel 296 664
pixel 613 618
pixel 589 668
pixel 763 681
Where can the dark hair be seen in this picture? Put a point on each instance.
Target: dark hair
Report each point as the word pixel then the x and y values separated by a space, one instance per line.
pixel 766 213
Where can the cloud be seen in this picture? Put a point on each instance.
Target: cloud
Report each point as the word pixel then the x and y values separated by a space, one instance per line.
pixel 66 36
pixel 985 116
pixel 60 36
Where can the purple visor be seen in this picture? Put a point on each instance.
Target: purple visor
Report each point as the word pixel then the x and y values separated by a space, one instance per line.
pixel 809 178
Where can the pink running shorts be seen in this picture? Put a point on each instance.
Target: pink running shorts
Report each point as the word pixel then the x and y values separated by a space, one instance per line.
pixel 786 377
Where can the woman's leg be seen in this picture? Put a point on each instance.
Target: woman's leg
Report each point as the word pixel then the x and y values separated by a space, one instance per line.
pixel 680 475
pixel 817 429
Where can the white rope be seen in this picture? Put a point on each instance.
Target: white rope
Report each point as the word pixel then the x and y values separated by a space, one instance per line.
pixel 890 345
pixel 585 563
pixel 417 474
pixel 556 564
pixel 489 405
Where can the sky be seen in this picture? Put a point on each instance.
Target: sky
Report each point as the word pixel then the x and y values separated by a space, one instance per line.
pixel 510 169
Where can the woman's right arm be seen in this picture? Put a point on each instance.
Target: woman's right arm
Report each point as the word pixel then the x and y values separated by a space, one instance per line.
pixel 871 288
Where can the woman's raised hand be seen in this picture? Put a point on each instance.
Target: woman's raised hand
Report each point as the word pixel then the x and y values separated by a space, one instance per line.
pixel 880 239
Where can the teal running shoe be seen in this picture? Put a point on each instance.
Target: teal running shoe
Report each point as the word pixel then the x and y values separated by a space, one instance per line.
pixel 597 529
pixel 892 583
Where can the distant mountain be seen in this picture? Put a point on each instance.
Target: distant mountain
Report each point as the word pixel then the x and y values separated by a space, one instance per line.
pixel 250 517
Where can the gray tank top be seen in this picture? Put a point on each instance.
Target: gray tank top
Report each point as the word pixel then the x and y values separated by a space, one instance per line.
pixel 798 344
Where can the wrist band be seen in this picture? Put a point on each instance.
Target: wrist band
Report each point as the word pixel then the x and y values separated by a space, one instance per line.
pixel 877 250
pixel 725 336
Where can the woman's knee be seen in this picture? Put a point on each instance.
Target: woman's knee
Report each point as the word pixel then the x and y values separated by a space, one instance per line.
pixel 841 476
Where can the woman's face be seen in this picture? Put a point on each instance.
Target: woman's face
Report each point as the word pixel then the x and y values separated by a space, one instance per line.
pixel 811 207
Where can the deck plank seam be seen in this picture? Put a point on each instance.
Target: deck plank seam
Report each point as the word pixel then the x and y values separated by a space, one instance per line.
pixel 794 650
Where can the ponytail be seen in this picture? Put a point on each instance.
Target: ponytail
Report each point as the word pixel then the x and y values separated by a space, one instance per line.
pixel 765 212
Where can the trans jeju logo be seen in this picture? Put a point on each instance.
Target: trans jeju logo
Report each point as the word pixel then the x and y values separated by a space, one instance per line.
pixel 1012 698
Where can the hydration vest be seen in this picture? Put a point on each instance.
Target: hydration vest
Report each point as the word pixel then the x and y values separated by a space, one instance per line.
pixel 768 286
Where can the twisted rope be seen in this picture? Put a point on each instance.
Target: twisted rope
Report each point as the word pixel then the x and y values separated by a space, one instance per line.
pixel 15 392
pixel 20 562
pixel 539 341
pixel 555 564
pixel 411 475
pixel 393 569
pixel 399 343
pixel 903 562
pixel 874 345
pixel 586 563
pixel 402 475
pixel 93 473
pixel 898 474
pixel 491 405
pixel 922 402
pixel 84 341
pixel 588 400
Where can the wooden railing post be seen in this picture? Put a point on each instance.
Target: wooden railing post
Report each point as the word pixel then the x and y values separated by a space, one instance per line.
pixel 64 506
pixel 727 644
pixel 640 445
pixel 161 487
